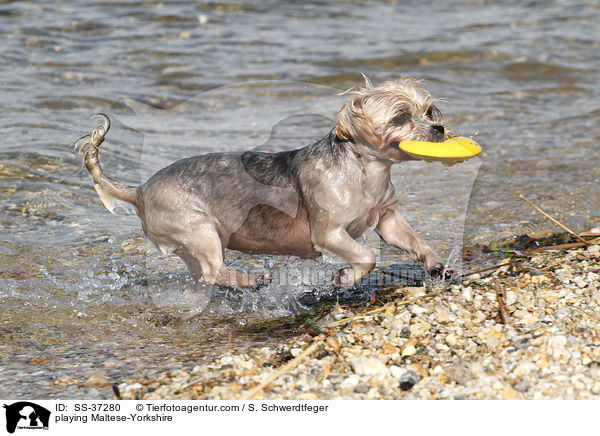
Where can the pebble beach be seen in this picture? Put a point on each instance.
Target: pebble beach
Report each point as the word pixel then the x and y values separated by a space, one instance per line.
pixel 529 329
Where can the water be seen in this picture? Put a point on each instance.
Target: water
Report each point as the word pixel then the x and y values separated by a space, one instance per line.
pixel 80 292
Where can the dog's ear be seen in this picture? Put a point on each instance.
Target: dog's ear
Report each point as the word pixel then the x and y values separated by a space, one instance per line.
pixel 353 125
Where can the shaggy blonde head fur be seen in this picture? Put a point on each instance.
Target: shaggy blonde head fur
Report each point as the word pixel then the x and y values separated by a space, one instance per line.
pixel 368 117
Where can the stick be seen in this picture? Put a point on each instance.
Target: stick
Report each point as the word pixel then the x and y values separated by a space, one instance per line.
pixel 287 367
pixel 360 315
pixel 554 265
pixel 555 221
pixel 501 304
pixel 192 383
pixel 500 265
pixel 591 315
pixel 558 247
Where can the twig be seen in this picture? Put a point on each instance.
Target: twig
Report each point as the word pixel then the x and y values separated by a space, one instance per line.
pixel 591 315
pixel 558 247
pixel 553 265
pixel 287 367
pixel 500 265
pixel 192 383
pixel 555 221
pixel 360 315
pixel 500 296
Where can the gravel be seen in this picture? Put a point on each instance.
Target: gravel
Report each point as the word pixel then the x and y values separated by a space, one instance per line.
pixel 434 342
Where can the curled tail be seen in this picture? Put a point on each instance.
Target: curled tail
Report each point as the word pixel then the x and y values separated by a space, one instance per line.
pixel 110 191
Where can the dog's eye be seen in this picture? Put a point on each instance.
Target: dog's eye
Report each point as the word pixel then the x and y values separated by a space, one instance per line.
pixel 433 113
pixel 400 120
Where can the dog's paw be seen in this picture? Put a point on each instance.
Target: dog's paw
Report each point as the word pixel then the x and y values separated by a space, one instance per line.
pixel 262 280
pixel 343 278
pixel 439 271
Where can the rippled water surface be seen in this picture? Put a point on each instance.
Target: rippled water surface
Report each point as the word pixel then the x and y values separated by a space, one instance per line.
pixel 82 294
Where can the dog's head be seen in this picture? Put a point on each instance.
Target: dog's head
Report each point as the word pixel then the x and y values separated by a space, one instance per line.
pixel 381 116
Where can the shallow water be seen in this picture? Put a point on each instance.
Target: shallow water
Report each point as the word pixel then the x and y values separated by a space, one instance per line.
pixel 81 293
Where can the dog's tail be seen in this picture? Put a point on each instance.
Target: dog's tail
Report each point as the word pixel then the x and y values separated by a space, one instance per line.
pixel 110 191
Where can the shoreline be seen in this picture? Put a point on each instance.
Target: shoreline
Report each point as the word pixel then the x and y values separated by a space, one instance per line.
pixel 529 329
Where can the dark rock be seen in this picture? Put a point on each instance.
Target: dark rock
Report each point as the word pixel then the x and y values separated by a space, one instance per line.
pixel 408 379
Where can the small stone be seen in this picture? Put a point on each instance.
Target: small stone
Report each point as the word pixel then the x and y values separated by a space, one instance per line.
pixel 523 368
pixel 388 349
pixel 235 388
pixel 419 328
pixel 408 380
pixel 350 382
pixel 508 365
pixel 295 351
pixel 509 393
pixel 491 342
pixel 536 280
pixel 130 391
pixel 451 339
pixel 460 374
pixel 520 314
pixel 443 378
pixel 556 346
pixel 333 343
pixel 442 313
pixel 97 380
pixel 409 350
pixel 467 294
pixel 511 298
pixel 535 272
pixel 226 360
pixel 594 249
pixel 364 365
pixel 419 370
pixel 580 281
pixel 65 381
pixel 396 371
pixel 522 386
pixel 414 292
pixel 418 310
pixel 362 389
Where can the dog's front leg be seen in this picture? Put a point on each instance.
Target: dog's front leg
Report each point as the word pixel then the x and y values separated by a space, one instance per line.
pixel 395 231
pixel 336 242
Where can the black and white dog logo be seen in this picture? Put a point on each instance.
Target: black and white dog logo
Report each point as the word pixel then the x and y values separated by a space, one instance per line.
pixel 26 415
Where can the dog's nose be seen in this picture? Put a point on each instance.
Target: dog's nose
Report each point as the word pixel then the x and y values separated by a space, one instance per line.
pixel 437 132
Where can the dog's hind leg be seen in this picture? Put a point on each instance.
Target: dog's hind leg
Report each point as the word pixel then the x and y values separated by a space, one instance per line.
pixel 338 243
pixel 202 252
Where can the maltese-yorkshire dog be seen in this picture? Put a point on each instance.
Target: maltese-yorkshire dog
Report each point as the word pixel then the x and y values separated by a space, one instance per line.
pixel 307 202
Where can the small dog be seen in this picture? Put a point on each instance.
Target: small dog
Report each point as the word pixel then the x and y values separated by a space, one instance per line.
pixel 314 200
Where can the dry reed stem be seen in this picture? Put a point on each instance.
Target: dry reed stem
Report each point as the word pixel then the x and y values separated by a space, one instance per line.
pixel 554 220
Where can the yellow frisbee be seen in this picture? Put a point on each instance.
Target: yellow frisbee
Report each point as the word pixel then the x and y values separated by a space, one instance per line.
pixel 453 149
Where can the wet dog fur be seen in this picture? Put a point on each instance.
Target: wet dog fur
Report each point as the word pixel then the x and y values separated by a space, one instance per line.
pixel 314 200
